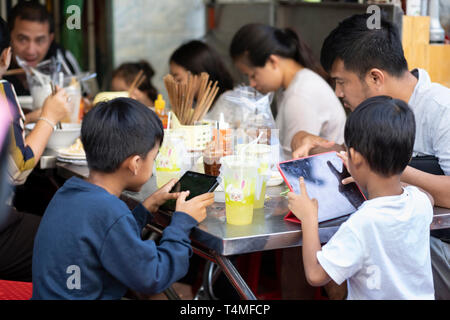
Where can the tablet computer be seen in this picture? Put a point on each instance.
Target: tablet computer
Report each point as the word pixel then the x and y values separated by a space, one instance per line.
pixel 323 176
pixel 194 182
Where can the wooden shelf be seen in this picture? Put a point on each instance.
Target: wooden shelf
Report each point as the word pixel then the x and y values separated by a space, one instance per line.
pixel 435 58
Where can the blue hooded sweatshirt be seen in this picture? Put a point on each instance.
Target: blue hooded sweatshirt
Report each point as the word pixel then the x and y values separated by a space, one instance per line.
pixel 89 246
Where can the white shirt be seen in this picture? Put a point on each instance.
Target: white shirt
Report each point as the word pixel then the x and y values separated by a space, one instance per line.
pixel 430 103
pixel 309 104
pixel 383 250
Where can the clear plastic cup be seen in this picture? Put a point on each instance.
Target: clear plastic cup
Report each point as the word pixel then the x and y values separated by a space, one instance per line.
pixel 239 176
pixel 169 162
pixel 74 95
pixel 211 159
pixel 40 93
pixel 260 154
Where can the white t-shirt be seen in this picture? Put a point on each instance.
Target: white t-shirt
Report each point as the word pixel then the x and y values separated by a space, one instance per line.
pixel 309 104
pixel 430 103
pixel 383 250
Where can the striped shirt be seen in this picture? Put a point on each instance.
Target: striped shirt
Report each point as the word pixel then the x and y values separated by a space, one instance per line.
pixel 21 157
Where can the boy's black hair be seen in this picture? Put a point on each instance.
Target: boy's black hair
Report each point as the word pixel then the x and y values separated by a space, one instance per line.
pixel 115 130
pixel 383 130
pixel 362 49
pixel 31 11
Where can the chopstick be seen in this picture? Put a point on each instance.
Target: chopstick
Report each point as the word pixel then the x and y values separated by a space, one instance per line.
pixel 14 72
pixel 182 95
pixel 137 82
pixel 58 125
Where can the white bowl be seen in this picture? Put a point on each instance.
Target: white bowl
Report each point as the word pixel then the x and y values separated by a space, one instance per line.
pixel 61 138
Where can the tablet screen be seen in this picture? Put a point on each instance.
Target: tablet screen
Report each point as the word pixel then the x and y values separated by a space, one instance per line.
pixel 323 176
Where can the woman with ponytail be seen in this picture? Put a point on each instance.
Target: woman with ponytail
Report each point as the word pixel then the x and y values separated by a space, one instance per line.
pixel 276 59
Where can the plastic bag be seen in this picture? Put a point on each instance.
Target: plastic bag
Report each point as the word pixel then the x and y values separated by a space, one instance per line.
pixel 243 106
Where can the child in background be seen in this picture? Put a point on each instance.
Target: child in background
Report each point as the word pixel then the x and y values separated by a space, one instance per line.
pixel 88 245
pixel 383 249
pixel 123 78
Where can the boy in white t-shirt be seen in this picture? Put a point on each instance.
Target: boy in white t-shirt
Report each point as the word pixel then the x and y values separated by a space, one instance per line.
pixel 383 249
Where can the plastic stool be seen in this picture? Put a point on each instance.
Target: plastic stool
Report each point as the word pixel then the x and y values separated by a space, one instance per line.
pixel 12 290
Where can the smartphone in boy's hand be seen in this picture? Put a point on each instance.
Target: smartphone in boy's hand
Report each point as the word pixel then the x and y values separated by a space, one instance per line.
pixel 161 196
pixel 196 207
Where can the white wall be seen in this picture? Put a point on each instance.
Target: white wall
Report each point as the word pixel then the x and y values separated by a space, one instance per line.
pixel 153 29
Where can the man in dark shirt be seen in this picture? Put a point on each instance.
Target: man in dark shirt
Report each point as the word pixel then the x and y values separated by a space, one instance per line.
pixel 32 40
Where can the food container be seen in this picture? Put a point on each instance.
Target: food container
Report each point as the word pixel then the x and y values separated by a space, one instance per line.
pixel 61 138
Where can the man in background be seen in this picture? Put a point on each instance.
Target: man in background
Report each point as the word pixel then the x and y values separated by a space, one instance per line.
pixel 32 40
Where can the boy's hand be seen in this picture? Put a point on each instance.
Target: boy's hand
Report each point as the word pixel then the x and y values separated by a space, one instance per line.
pixel 304 208
pixel 344 157
pixel 195 207
pixel 158 198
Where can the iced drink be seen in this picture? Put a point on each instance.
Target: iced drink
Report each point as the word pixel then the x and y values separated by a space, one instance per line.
pixel 211 160
pixel 260 197
pixel 261 155
pixel 239 176
pixel 215 150
pixel 169 162
pixel 74 93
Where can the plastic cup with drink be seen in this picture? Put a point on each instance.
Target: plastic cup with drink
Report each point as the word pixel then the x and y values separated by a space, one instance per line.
pixel 239 175
pixel 169 162
pixel 73 90
pixel 221 146
pixel 260 154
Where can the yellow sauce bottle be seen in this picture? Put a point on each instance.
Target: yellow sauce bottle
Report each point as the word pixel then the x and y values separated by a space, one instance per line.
pixel 160 109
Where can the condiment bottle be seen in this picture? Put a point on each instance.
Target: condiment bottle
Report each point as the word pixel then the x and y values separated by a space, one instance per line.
pixel 160 109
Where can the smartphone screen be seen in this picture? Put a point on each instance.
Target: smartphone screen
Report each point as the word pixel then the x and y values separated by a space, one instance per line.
pixel 194 182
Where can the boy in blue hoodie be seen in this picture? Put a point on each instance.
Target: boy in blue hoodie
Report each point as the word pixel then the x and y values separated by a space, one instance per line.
pixel 88 245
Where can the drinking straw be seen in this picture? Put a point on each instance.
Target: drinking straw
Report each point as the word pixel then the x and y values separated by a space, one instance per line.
pixel 61 80
pixel 244 149
pixel 88 77
pixel 284 193
pixel 218 136
pixel 169 120
pixel 38 76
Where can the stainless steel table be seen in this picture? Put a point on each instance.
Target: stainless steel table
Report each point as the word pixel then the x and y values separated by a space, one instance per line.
pixel 215 240
pixel 48 159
